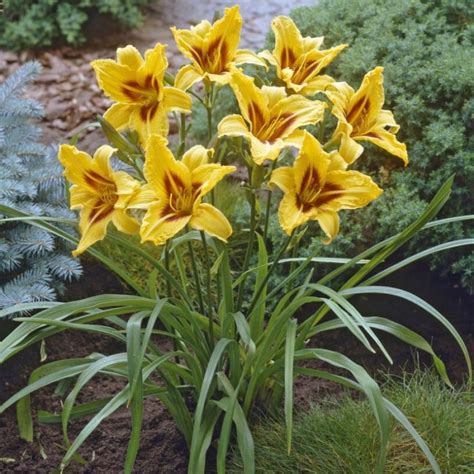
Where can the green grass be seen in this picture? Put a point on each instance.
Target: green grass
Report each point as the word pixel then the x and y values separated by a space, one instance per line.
pixel 341 436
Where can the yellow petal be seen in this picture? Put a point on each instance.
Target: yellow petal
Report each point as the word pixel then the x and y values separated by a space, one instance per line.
pixel 349 149
pixel 367 102
pixel 129 56
pixel 165 174
pixel 329 222
pixel 262 151
pixel 102 159
pixel 205 177
pixel 311 165
pixel 284 178
pixel 251 101
pixel 347 190
pixel 290 213
pixel 297 112
pixel 93 225
pixel 160 224
pixel 223 39
pixel 288 41
pixel 386 140
pixel 176 100
pixel 267 56
pixel 187 76
pixel 75 162
pixel 197 156
pixel 210 220
pixel 233 126
pixel 113 77
pixel 118 115
pixel 142 198
pixel 147 120
pixel 124 222
pixel 311 86
pixel 126 186
pixel 191 42
pixel 222 79
pixel 154 66
pixel 273 95
pixel 245 56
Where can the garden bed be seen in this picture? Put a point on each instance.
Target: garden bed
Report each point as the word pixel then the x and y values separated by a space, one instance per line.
pixel 163 448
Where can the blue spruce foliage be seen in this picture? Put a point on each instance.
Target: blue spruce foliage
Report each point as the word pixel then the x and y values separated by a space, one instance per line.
pixel 34 265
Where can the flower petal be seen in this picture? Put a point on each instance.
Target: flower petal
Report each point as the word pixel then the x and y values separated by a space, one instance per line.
pixel 311 165
pixel 245 56
pixel 118 115
pixel 129 56
pixel 205 177
pixel 233 126
pixel 93 225
pixel 290 213
pixel 284 178
pixel 388 141
pixel 223 39
pixel 297 111
pixel 197 156
pixel 154 66
pixel 124 222
pixel 288 41
pixel 210 220
pixel 147 120
pixel 191 42
pixel 262 151
pixel 347 190
pixel 161 224
pixel 329 222
pixel 162 171
pixel 113 79
pixel 187 76
pixel 251 101
pixel 176 100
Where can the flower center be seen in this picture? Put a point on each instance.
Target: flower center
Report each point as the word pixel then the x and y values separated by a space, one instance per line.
pixel 108 193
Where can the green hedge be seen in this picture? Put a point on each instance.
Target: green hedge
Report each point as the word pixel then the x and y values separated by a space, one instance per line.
pixel 426 49
pixel 39 23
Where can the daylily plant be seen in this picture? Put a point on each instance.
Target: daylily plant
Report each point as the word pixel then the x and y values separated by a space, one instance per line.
pixel 177 189
pixel 361 117
pixel 270 119
pixel 298 60
pixel 101 194
pixel 211 333
pixel 136 84
pixel 316 188
pixel 213 50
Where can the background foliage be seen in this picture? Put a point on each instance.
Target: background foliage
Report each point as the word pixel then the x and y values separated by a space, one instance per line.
pixel 33 264
pixel 426 49
pixel 38 23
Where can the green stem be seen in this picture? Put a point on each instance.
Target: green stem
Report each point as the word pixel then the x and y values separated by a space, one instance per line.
pixel 196 277
pixel 182 136
pixel 268 275
pixel 209 102
pixel 268 207
pixel 248 252
pixel 209 294
pixel 167 266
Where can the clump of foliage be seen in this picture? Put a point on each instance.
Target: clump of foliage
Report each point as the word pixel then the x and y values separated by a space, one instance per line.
pixel 39 23
pixel 338 435
pixel 230 341
pixel 33 263
pixel 426 49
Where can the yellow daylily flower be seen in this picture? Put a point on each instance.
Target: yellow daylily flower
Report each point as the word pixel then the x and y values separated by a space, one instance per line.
pixel 101 194
pixel 177 189
pixel 299 60
pixel 270 119
pixel 136 85
pixel 212 50
pixel 317 187
pixel 361 117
